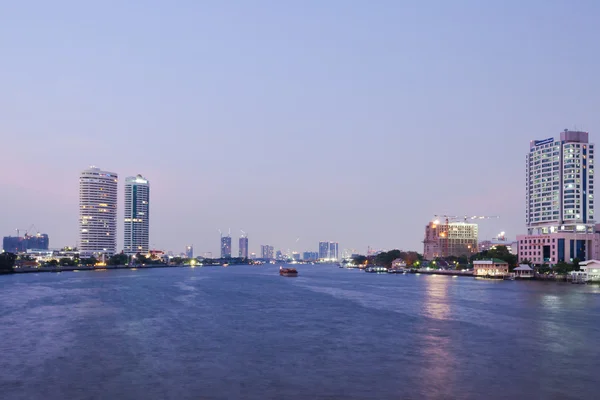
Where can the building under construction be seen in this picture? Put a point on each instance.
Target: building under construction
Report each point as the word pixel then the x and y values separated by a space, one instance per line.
pixel 449 239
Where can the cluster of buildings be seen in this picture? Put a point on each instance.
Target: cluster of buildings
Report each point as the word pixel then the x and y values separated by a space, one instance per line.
pixel 559 209
pixel 98 194
pixel 21 244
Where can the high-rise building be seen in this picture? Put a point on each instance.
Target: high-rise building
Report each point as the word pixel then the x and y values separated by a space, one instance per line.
pixel 559 208
pixel 225 246
pixel 189 251
pixel 19 244
pixel 97 212
pixel 137 215
pixel 310 256
pixel 560 184
pixel 328 251
pixel 267 252
pixel 455 239
pixel 243 252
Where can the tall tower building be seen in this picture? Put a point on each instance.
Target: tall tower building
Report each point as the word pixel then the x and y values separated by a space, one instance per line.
pixel 97 212
pixel 560 184
pixel 243 253
pixel 559 208
pixel 137 215
pixel 189 251
pixel 225 246
pixel 267 251
pixel 328 251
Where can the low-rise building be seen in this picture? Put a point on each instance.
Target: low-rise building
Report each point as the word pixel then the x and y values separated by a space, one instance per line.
pixel 398 263
pixel 553 248
pixel 589 270
pixel 491 268
pixel 523 271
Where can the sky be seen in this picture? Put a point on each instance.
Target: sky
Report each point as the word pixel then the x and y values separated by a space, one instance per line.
pixel 296 121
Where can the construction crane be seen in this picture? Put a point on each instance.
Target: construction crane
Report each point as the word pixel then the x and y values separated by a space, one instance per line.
pixel 445 228
pixel 30 229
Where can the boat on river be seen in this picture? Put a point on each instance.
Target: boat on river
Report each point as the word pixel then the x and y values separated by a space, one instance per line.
pixel 288 271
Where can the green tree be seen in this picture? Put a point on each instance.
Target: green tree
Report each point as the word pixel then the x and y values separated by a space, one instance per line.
pixel 89 261
pixel 385 258
pixel 543 269
pixel 140 258
pixel 359 260
pixel 66 262
pixel 564 268
pixel 118 259
pixel 7 262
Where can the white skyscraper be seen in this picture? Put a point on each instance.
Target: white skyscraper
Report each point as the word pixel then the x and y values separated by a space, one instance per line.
pixel 560 184
pixel 97 212
pixel 137 215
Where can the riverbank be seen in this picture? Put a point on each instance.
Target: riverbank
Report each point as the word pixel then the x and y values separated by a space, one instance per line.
pixel 25 270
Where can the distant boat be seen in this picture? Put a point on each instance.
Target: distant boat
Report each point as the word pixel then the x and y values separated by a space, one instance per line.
pixel 288 271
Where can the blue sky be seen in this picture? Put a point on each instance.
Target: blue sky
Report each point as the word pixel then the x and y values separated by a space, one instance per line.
pixel 352 121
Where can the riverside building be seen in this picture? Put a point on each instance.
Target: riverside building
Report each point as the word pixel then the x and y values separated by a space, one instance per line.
pixel 243 242
pixel 137 215
pixel 454 239
pixel 328 251
pixel 225 246
pixel 97 212
pixel 559 193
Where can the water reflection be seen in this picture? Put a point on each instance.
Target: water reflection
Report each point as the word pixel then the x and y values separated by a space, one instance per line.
pixel 436 304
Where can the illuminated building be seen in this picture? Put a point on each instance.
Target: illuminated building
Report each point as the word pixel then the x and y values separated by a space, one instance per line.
pixel 225 246
pixel 137 215
pixel 189 252
pixel 310 256
pixel 20 244
pixel 328 251
pixel 559 206
pixel 243 252
pixel 560 185
pixel 460 240
pixel 267 252
pixel 493 267
pixel 97 212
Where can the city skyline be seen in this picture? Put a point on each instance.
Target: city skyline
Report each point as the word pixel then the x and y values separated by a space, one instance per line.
pixel 404 122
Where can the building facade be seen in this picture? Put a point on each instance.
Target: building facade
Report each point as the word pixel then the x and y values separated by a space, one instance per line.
pixel 455 239
pixel 491 268
pixel 243 252
pixel 267 252
pixel 226 246
pixel 328 251
pixel 559 193
pixel 560 185
pixel 20 244
pixel 189 251
pixel 310 256
pixel 558 247
pixel 97 212
pixel 137 215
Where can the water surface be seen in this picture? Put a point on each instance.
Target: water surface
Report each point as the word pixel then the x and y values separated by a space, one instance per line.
pixel 245 332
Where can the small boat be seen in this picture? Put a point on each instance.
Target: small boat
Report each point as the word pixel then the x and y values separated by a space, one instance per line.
pixel 288 271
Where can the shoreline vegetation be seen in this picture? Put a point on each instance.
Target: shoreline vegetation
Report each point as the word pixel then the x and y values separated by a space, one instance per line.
pixel 410 261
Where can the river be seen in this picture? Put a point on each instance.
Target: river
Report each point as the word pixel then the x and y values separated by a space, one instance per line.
pixel 244 332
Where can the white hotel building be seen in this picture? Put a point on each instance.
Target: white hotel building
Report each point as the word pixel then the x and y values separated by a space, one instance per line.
pixel 137 215
pixel 559 201
pixel 97 212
